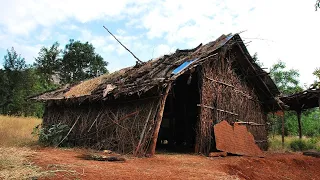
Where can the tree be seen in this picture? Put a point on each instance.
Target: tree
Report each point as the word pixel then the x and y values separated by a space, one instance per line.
pixel 80 62
pixel 13 61
pixel 47 63
pixel 317 5
pixel 288 83
pixel 17 82
pixel 256 60
pixel 13 80
pixel 286 80
pixel 316 84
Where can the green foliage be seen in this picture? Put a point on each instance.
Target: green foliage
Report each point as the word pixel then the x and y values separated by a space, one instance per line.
pixel 47 64
pixel 80 62
pixel 317 74
pixel 293 143
pixel 317 5
pixel 310 123
pixel 13 61
pixel 286 80
pixel 288 83
pixel 256 60
pixel 302 145
pixel 18 81
pixel 52 135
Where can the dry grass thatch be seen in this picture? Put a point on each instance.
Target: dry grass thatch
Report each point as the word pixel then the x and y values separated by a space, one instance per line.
pixel 147 76
pixel 86 87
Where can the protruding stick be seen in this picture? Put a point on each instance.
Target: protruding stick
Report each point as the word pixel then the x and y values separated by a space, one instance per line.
pixel 123 46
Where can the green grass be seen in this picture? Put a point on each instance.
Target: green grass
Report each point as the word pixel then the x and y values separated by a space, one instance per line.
pixel 293 143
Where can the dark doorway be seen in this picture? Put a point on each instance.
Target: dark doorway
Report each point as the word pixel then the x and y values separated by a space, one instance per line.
pixel 178 127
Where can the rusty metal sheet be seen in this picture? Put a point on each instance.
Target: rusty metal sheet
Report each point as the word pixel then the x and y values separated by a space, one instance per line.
pixel 235 139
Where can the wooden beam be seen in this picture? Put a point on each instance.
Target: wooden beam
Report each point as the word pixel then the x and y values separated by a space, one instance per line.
pixel 158 121
pixel 221 110
pixel 143 131
pixel 231 86
pixel 319 102
pixel 299 122
pixel 282 127
pixel 249 123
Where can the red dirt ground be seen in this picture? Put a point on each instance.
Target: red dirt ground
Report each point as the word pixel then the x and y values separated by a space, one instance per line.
pixel 67 164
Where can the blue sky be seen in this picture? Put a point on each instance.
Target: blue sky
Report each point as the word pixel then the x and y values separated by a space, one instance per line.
pixel 286 30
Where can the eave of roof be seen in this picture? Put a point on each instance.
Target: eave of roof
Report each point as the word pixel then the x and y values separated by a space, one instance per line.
pixel 302 100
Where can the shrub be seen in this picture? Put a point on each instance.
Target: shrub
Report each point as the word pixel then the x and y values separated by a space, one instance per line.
pixel 302 145
pixel 52 135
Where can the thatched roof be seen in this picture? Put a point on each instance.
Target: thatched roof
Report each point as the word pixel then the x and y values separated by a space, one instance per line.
pixel 302 100
pixel 155 74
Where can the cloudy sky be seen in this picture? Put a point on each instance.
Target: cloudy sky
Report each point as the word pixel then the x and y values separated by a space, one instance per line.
pixel 288 29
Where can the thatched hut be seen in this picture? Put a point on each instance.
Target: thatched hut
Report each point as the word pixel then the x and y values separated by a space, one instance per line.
pixel 172 101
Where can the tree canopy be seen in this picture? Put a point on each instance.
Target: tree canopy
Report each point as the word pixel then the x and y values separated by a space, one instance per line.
pixel 80 61
pixel 47 63
pixel 286 80
pixel 317 5
pixel 53 67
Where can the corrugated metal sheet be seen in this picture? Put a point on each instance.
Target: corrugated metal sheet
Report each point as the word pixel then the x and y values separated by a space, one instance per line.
pixel 235 140
pixel 183 66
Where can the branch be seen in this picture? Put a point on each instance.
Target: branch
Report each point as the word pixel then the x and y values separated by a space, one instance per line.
pixel 123 45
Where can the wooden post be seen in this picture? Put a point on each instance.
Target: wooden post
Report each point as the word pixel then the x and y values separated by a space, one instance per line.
pixel 282 135
pixel 319 102
pixel 143 131
pixel 299 122
pixel 159 120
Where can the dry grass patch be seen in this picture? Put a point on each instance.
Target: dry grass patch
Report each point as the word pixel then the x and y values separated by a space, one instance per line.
pixel 16 131
pixel 14 164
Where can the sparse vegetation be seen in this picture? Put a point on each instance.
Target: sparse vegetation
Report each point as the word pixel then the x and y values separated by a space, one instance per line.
pixel 53 135
pixel 293 143
pixel 15 137
pixel 301 145
pixel 14 164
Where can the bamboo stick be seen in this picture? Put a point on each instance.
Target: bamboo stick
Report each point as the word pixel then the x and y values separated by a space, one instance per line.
pixel 159 120
pixel 143 131
pixel 69 131
pixel 221 110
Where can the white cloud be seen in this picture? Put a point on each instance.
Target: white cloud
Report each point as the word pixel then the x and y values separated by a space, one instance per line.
pixel 161 49
pixel 290 28
pixel 44 35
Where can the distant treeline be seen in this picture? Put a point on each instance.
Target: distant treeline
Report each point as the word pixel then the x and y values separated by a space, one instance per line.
pixel 52 68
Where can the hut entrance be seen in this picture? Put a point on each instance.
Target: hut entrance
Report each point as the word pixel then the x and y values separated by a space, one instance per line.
pixel 178 128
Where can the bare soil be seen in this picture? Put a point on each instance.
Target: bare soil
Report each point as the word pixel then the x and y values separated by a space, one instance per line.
pixel 68 164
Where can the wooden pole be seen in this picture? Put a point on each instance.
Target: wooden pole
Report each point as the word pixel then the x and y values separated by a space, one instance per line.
pixel 158 121
pixel 123 45
pixel 143 131
pixel 319 102
pixel 282 135
pixel 299 123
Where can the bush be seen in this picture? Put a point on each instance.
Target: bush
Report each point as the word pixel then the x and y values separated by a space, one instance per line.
pixel 302 145
pixel 52 135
